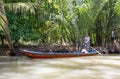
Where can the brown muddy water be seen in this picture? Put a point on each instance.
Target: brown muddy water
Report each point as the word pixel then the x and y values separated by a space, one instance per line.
pixel 95 67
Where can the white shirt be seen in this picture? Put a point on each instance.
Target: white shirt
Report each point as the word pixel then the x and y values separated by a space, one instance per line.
pixel 87 39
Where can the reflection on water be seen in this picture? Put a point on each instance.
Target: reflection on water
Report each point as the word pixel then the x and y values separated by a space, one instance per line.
pixel 96 67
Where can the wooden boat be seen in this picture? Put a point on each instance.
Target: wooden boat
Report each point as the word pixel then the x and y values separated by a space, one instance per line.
pixel 34 54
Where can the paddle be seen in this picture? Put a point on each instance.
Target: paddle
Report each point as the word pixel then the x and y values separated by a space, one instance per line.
pixel 97 51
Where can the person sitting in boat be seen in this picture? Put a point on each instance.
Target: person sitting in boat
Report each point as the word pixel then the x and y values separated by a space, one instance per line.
pixel 84 51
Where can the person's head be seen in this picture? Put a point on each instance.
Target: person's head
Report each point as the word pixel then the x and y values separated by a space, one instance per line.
pixel 87 34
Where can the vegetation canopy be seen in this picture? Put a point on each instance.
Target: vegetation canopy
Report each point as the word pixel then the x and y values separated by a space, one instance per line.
pixel 60 21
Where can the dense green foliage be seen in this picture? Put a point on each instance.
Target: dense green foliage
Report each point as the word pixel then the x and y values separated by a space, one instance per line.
pixel 62 21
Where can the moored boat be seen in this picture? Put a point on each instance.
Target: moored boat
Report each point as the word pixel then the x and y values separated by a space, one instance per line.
pixel 34 54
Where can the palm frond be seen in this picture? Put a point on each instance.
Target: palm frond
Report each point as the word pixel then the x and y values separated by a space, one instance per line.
pixel 22 7
pixel 117 7
pixel 2 21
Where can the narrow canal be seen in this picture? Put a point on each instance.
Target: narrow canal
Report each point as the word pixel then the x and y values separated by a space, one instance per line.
pixel 95 67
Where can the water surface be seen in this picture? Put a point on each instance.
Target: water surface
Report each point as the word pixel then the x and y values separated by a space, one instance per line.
pixel 94 67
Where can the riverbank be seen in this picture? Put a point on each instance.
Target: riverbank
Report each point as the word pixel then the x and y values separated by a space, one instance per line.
pixel 4 51
pixel 43 48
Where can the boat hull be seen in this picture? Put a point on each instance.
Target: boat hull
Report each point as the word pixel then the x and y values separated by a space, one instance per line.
pixel 55 55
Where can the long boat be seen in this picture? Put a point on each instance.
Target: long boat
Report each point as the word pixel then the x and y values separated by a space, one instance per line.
pixel 34 54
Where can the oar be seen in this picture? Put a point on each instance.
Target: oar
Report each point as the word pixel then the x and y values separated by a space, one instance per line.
pixel 97 51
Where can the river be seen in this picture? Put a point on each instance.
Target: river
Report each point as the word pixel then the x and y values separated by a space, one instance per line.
pixel 94 67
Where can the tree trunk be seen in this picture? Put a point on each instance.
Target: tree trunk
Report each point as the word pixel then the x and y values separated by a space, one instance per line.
pixel 6 29
pixel 98 36
pixel 2 40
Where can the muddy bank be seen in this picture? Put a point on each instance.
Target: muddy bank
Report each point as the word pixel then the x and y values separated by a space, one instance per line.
pixel 50 48
pixel 43 48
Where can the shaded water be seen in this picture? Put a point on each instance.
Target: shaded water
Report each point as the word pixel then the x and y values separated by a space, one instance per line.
pixel 95 67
